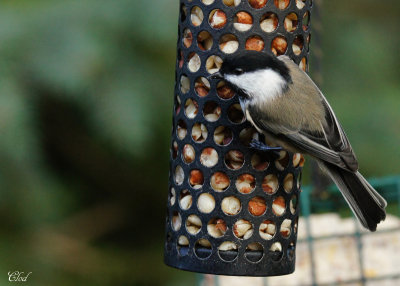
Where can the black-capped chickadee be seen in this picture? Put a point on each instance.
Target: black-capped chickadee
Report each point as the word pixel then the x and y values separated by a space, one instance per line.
pixel 283 103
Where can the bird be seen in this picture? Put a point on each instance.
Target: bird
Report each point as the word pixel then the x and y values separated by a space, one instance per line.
pixel 284 104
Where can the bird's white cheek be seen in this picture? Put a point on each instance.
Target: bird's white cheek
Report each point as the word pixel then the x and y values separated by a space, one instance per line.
pixel 261 85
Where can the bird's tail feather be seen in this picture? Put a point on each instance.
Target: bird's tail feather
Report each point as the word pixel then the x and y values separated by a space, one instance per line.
pixel 367 204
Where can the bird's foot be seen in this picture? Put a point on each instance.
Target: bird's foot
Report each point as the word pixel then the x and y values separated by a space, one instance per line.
pixel 258 145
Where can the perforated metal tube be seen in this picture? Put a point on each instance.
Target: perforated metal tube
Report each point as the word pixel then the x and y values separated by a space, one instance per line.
pixel 231 210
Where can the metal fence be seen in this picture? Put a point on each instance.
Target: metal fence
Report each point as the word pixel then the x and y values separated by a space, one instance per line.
pixel 389 187
pixel 333 202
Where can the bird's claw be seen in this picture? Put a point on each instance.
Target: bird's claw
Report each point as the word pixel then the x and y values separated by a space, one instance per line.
pixel 255 144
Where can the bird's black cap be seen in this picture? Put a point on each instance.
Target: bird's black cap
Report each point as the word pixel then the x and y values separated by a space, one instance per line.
pixel 248 61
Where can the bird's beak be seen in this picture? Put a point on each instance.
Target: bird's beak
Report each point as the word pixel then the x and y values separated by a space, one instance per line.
pixel 216 75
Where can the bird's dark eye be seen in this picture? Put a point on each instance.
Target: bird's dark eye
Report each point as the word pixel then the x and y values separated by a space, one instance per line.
pixel 238 71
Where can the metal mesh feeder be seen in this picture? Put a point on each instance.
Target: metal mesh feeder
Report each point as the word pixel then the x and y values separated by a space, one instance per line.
pixel 231 210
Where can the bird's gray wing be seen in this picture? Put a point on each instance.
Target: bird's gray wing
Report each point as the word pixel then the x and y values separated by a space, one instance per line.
pixel 329 143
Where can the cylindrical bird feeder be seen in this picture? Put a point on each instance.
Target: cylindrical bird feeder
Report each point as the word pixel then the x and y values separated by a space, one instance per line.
pixel 231 209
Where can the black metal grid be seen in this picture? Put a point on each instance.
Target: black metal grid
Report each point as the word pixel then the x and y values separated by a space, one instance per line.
pixel 186 258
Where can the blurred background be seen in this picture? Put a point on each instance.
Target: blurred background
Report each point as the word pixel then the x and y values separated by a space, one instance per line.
pixel 86 94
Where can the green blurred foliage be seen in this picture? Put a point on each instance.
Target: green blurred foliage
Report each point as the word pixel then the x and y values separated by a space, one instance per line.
pixel 361 67
pixel 86 91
